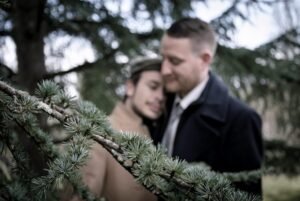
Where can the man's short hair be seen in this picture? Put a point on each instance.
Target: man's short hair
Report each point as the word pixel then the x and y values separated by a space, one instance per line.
pixel 200 32
pixel 141 64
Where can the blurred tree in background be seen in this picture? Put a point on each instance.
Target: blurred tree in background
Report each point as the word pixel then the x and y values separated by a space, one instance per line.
pixel 267 77
pixel 119 30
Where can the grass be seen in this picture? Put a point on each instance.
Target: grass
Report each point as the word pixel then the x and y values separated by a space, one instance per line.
pixel 281 188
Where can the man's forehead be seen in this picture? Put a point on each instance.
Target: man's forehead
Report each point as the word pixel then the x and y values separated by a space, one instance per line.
pixel 171 45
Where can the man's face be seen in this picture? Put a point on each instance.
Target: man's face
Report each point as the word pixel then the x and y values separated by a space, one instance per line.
pixel 147 96
pixel 182 68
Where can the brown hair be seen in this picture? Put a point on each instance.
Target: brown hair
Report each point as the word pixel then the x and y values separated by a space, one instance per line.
pixel 195 29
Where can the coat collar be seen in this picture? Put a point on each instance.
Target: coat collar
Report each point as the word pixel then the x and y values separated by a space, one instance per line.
pixel 214 100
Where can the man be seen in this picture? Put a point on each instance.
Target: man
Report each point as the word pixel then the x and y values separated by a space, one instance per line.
pixel 203 122
pixel 144 101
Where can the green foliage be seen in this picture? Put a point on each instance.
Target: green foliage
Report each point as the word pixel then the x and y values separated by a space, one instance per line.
pixel 262 78
pixel 63 170
pixel 117 34
pixel 281 158
pixel 167 178
pixel 99 85
pixel 5 4
pixel 268 75
pixel 47 89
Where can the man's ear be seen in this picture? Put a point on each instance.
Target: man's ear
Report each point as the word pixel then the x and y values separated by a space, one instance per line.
pixel 130 88
pixel 206 58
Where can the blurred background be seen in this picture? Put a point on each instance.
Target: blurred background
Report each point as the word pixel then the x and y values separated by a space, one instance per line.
pixel 85 46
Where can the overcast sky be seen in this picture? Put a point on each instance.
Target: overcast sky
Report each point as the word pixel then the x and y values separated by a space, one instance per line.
pixel 261 27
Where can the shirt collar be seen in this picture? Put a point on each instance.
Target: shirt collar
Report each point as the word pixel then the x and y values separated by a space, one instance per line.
pixel 193 95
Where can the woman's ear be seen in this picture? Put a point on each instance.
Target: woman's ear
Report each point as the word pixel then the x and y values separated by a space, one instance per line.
pixel 129 88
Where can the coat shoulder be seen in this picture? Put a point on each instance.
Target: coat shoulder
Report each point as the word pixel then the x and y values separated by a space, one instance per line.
pixel 241 109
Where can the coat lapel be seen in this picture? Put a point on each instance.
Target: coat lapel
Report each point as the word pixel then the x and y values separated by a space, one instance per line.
pixel 214 100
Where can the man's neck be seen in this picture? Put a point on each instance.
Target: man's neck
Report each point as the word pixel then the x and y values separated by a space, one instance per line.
pixel 204 79
pixel 193 95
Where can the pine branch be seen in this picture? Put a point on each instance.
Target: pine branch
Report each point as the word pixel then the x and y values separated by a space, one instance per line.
pixel 6 5
pixel 47 147
pixel 79 68
pixel 153 34
pixel 9 71
pixel 84 66
pixel 15 93
pixel 5 170
pixel 226 22
pixel 11 188
pixel 280 38
pixel 64 167
pixel 19 156
pixel 172 180
pixel 280 157
pixel 13 191
pixel 38 137
pixel 245 176
pixel 5 33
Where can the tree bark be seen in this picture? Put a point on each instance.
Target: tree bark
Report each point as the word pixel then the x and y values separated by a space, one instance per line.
pixel 28 34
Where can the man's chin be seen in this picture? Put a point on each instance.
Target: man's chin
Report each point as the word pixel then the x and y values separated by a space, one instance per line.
pixel 171 89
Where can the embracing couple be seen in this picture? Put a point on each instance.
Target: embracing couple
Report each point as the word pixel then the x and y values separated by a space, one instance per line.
pixel 177 101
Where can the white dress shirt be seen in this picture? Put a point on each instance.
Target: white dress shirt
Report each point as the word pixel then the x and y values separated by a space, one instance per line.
pixel 178 107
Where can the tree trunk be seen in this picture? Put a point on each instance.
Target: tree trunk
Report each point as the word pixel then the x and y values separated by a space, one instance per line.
pixel 28 34
pixel 29 38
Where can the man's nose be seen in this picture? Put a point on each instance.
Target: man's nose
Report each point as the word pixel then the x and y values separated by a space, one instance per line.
pixel 165 67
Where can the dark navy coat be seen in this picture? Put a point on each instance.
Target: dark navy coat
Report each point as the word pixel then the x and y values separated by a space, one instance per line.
pixel 219 130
